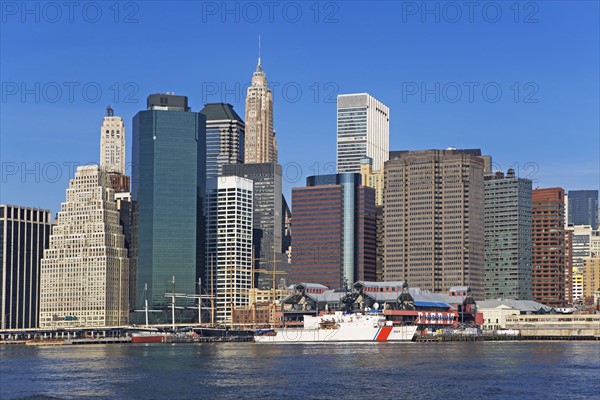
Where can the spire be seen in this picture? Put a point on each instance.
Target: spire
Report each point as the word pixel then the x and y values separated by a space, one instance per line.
pixel 259 70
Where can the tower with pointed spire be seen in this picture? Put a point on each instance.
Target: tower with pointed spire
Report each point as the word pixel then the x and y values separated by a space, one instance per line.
pixel 260 145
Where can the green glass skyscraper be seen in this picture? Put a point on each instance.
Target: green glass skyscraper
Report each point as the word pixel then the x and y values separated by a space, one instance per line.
pixel 168 185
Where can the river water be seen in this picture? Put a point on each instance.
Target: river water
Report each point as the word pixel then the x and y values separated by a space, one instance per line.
pixel 459 370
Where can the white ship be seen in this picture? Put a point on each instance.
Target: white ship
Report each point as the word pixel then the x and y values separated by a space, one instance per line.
pixel 340 327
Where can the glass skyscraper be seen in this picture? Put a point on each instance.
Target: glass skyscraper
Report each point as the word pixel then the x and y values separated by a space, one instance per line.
pixel 168 186
pixel 583 208
pixel 225 133
pixel 24 234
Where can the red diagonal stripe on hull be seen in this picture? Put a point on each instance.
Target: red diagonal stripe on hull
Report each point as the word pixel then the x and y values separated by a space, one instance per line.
pixel 384 333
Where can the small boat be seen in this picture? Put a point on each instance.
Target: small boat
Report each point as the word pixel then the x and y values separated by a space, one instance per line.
pixel 340 327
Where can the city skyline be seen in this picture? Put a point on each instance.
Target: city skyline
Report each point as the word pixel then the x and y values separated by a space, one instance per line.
pixel 37 167
pixel 249 199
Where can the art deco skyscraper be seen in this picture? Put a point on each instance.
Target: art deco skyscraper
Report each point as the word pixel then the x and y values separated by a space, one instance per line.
pixel 261 145
pixel 112 143
pixel 112 150
pixel 433 208
pixel 85 271
pixel 363 130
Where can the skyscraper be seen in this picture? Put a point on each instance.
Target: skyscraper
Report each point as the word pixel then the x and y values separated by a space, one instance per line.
pixel 261 144
pixel 112 143
pixel 229 243
pixel 372 178
pixel 169 158
pixel 112 150
pixel 112 160
pixel 581 248
pixel 363 129
pixel 267 220
pixel 591 276
pixel 84 279
pixel 375 179
pixel 334 231
pixel 433 219
pixel 225 132
pixel 583 208
pixel 508 246
pixel 549 247
pixel 24 234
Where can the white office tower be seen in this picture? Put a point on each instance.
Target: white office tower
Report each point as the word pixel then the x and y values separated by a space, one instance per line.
pixel 229 243
pixel 363 130
pixel 112 143
pixel 84 277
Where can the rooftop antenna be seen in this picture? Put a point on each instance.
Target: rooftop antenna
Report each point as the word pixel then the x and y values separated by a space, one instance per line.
pixel 259 49
pixel 110 112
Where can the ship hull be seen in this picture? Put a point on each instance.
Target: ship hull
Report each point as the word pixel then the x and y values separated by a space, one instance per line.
pixel 341 334
pixel 147 338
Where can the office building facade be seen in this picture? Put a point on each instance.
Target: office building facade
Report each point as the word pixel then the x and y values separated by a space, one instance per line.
pixel 334 231
pixel 267 220
pixel 229 243
pixel 375 179
pixel 583 208
pixel 549 247
pixel 372 178
pixel 581 248
pixel 168 191
pixel 508 245
pixel 225 133
pixel 84 276
pixel 24 234
pixel 433 219
pixel 363 130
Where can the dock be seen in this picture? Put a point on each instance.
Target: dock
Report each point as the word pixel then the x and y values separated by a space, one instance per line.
pixel 497 338
pixel 101 340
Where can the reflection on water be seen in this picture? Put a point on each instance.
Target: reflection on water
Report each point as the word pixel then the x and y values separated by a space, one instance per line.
pixel 246 370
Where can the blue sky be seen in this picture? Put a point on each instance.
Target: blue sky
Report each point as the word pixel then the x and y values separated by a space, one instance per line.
pixel 521 81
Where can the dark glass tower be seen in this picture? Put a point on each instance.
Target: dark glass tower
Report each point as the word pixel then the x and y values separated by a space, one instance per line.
pixel 168 186
pixel 24 234
pixel 225 133
pixel 583 208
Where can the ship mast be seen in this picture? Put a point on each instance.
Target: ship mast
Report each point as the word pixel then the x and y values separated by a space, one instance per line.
pixel 200 301
pixel 146 302
pixel 173 304
pixel 212 293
